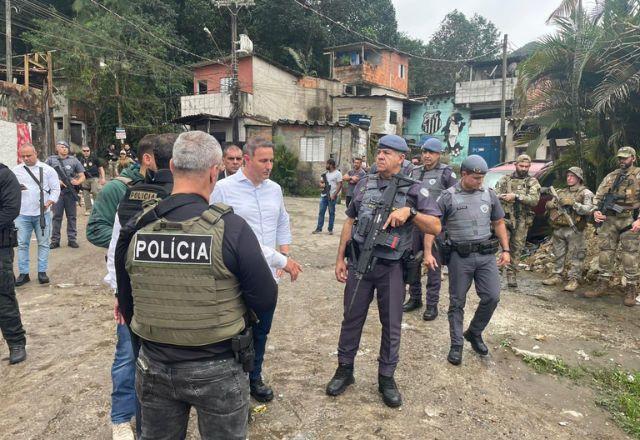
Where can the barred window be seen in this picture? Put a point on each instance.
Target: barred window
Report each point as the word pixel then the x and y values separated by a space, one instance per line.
pixel 312 149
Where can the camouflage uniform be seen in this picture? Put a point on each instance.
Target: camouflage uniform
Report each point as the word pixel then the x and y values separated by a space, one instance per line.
pixel 518 214
pixel 569 246
pixel 615 230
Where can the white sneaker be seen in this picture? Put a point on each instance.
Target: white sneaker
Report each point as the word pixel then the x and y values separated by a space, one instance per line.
pixel 122 431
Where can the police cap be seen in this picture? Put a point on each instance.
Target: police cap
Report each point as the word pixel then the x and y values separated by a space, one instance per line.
pixel 577 171
pixel 474 164
pixel 523 158
pixel 393 142
pixel 63 143
pixel 625 152
pixel 432 144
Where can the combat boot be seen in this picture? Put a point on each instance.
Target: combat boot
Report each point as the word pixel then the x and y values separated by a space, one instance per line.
pixel 571 286
pixel 599 289
pixel 630 296
pixel 412 304
pixel 17 354
pixel 511 280
pixel 340 380
pixel 455 355
pixel 477 343
pixel 552 280
pixel 390 394
pixel 430 313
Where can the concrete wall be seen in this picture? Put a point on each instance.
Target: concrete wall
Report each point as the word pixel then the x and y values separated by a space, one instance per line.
pixel 384 71
pixel 378 108
pixel 435 117
pixel 489 90
pixel 213 73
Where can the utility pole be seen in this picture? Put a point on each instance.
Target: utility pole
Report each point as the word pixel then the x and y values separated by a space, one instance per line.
pixel 8 53
pixel 234 7
pixel 503 109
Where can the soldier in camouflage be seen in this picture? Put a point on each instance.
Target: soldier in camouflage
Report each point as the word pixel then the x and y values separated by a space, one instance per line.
pixel 568 240
pixel 519 193
pixel 617 201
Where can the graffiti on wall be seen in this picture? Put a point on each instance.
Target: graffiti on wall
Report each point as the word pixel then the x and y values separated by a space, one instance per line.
pixel 451 131
pixel 431 122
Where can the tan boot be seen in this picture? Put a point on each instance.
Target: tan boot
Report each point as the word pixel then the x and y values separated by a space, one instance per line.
pixel 552 280
pixel 571 286
pixel 597 290
pixel 630 296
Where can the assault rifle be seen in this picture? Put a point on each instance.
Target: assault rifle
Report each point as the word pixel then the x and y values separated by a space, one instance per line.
pixel 67 182
pixel 327 189
pixel 375 235
pixel 562 210
pixel 608 202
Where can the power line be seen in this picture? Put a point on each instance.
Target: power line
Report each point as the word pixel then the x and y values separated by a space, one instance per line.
pixel 373 41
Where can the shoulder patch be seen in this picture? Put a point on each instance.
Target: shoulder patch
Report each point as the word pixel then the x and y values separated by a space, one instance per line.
pixel 172 248
pixel 424 192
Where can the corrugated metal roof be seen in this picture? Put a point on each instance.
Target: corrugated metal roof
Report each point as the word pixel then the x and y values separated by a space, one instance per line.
pixel 318 123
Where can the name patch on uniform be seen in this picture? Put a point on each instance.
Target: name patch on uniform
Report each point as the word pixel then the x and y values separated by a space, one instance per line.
pixel 142 195
pixel 174 249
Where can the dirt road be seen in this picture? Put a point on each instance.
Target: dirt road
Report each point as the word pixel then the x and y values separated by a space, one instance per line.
pixel 63 390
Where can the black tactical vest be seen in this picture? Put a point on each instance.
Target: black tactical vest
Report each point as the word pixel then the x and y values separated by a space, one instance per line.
pixel 131 203
pixel 90 165
pixel 470 218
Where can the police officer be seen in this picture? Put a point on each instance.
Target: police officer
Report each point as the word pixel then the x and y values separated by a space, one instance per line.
pixel 617 201
pixel 94 177
pixel 470 212
pixel 435 178
pixel 70 167
pixel 193 272
pixel 576 202
pixel 519 193
pixel 412 209
pixel 10 322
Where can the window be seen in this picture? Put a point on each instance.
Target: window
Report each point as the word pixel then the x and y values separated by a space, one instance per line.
pixel 225 84
pixel 393 117
pixel 202 87
pixel 59 125
pixel 312 149
pixel 401 71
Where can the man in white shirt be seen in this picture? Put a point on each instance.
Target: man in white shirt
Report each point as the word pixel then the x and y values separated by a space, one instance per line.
pixel 260 203
pixel 331 184
pixel 32 175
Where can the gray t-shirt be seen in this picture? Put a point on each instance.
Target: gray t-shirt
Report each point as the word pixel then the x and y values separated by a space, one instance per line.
pixel 334 178
pixel 70 165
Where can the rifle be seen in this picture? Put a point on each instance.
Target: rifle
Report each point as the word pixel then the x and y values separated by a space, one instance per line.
pixel 327 189
pixel 67 183
pixel 375 235
pixel 608 202
pixel 43 223
pixel 562 210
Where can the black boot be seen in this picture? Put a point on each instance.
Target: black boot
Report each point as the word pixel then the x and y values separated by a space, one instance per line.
pixel 390 394
pixel 73 244
pixel 43 278
pixel 477 343
pixel 260 391
pixel 455 355
pixel 23 278
pixel 54 245
pixel 17 354
pixel 412 304
pixel 340 380
pixel 430 313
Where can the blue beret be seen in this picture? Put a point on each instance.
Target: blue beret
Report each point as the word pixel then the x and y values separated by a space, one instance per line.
pixel 474 164
pixel 393 142
pixel 432 144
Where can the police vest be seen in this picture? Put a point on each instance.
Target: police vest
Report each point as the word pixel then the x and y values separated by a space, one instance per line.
pixel 136 195
pixel 431 179
pixel 183 293
pixel 470 218
pixel 372 195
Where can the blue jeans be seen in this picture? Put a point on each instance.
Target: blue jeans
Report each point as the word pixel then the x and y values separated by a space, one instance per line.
pixel 123 377
pixel 260 331
pixel 331 204
pixel 27 224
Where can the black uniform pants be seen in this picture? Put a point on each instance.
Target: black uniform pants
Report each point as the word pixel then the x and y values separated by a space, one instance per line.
pixel 387 282
pixel 65 204
pixel 10 321
pixel 483 270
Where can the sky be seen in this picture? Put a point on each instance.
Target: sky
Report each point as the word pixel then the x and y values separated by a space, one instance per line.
pixel 522 20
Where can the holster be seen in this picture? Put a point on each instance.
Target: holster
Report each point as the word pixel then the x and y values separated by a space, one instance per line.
pixel 412 267
pixel 8 237
pixel 243 351
pixel 352 253
pixel 445 249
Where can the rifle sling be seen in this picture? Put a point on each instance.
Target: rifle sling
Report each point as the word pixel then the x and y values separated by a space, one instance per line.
pixel 39 183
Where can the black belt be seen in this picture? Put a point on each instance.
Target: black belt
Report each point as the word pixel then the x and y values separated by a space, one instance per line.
pixel 484 247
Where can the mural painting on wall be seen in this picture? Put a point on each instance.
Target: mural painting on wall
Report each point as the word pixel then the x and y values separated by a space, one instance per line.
pixel 432 125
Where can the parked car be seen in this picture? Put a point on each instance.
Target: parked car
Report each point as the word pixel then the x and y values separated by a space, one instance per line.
pixel 541 170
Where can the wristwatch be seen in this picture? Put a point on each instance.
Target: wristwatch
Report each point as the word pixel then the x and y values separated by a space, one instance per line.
pixel 412 213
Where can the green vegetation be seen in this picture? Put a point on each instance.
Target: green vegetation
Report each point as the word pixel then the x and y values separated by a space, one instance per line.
pixel 619 390
pixel 285 169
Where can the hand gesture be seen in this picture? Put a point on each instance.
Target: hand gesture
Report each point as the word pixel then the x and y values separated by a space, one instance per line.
pixel 293 268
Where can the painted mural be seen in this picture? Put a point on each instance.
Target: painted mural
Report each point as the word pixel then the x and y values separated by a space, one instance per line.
pixel 439 117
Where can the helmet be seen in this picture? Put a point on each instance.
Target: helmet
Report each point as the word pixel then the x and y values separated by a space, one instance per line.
pixel 577 171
